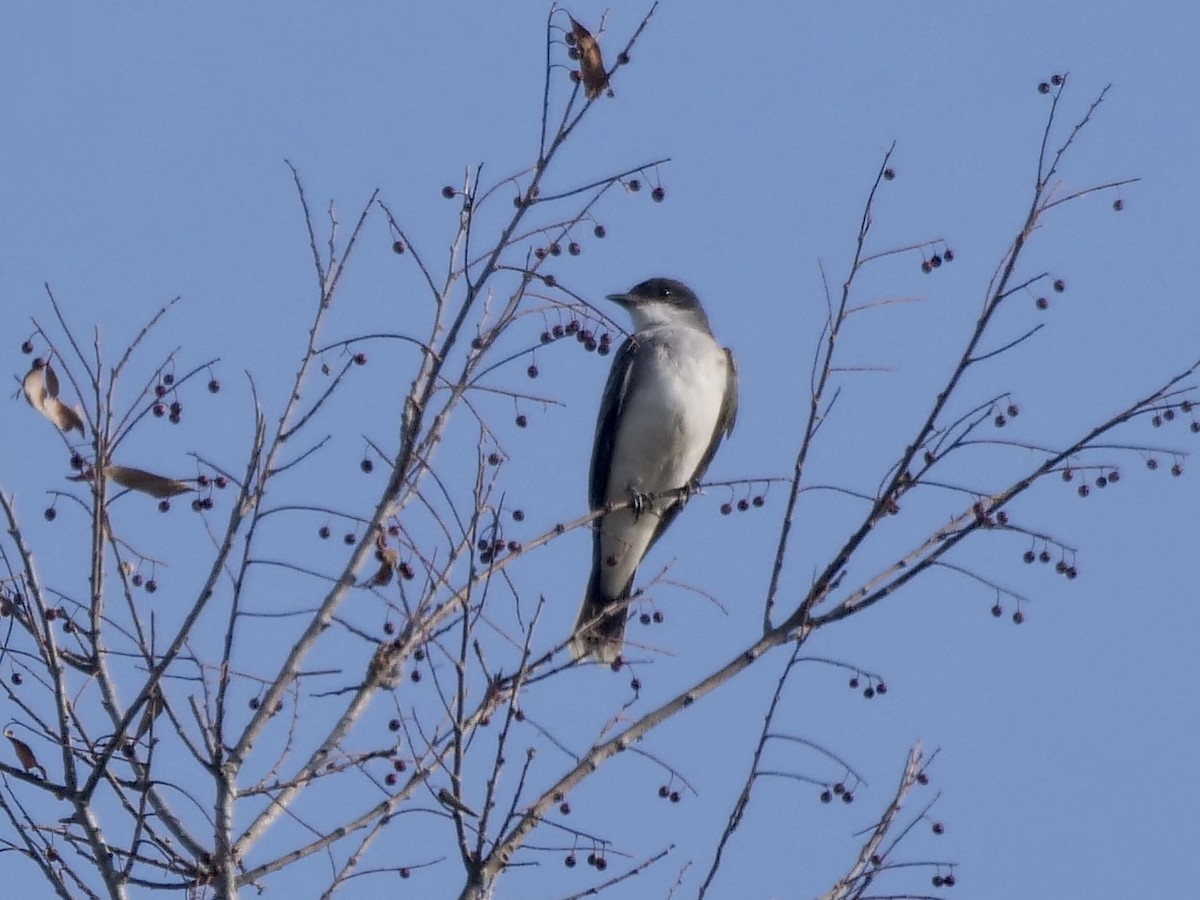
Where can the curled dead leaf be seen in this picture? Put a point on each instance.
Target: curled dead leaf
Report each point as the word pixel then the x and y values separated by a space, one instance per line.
pixel 154 708
pixel 147 482
pixel 24 754
pixel 388 560
pixel 591 63
pixel 40 386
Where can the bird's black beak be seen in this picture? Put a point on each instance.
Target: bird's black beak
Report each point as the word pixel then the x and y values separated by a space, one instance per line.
pixel 620 299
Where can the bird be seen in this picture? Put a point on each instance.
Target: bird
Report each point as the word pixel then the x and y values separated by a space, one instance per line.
pixel 671 398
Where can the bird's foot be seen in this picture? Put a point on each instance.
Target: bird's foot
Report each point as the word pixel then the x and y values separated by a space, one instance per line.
pixel 639 502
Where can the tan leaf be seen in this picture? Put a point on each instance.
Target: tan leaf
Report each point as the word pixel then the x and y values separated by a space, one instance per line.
pixel 147 482
pixel 591 63
pixel 24 753
pixel 41 390
pixel 66 418
pixel 51 379
pixel 388 558
pixel 154 708
pixel 34 386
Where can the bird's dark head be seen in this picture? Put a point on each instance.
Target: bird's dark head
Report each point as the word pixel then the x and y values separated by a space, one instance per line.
pixel 662 301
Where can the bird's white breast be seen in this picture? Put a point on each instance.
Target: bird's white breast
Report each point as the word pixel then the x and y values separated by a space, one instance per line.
pixel 667 422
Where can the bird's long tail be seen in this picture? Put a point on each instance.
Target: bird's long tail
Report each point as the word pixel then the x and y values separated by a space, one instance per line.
pixel 600 625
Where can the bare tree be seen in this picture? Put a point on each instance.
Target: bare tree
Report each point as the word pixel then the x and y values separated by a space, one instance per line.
pixel 296 709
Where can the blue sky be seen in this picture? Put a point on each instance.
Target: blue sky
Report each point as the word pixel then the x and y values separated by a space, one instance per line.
pixel 145 152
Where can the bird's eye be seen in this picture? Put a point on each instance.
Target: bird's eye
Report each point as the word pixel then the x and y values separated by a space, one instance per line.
pixel 664 292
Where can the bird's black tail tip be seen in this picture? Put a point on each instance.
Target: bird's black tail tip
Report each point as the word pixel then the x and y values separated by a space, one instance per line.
pixel 599 630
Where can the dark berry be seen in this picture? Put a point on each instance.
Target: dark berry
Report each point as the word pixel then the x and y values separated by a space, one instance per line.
pixel 622 58
pixel 1029 556
pixel 574 249
pixel 1013 410
pixel 558 331
pixel 545 337
pixel 564 808
pixel 415 676
pixel 948 255
pixel 1056 80
pixel 939 828
pixel 405 872
pixel 494 459
pixel 997 610
pixel 323 532
pixel 634 185
pixel 869 692
pixel 348 539
pixel 50 513
pixel 599 231
pixel 532 371
pixel 27 347
pixel 826 796
pixel 1000 421
pixel 644 618
pixel 164 505
pixel 1118 205
pixel 1059 285
pixel 759 500
pixel 570 861
pixel 1043 88
pixel 136 580
pixel 394 725
pixel 935 260
pixel 888 174
pixel 221 482
pixel 159 410
pixel 1152 464
pixel 635 684
pixel 360 359
pixel 1018 617
pixel 726 508
pixel 658 195
pixel 743 505
pixel 539 253
pixel 390 779
pixel 926 267
pixel 168 379
pixel 16 677
pixel 522 420
pixel 1084 490
pixel 448 192
pixel 1042 303
pixel 398 247
pixel 555 249
pixel 151 586
pixel 214 386
pixel 881 688
pixel 676 796
pixel 1044 556
pixel 1177 470
pixel 367 466
pixel 854 682
pixel 659 616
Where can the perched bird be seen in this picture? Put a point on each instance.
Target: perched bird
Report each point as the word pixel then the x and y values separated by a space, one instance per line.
pixel 671 397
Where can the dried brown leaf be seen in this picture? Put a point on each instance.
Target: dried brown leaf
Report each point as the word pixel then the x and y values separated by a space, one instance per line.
pixel 24 753
pixel 66 418
pixel 154 708
pixel 388 559
pixel 41 390
pixel 591 63
pixel 147 482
